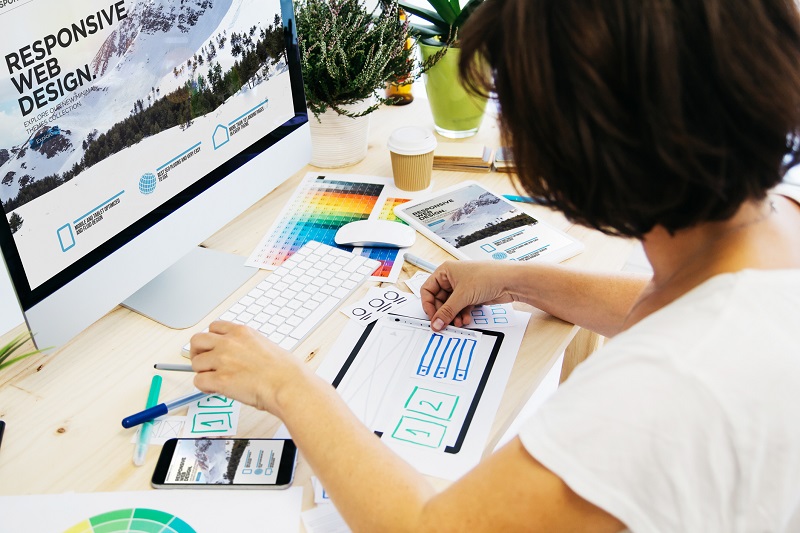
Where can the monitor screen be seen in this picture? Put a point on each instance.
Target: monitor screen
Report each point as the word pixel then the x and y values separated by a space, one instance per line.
pixel 115 113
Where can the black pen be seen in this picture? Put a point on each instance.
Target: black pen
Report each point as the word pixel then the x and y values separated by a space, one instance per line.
pixel 2 428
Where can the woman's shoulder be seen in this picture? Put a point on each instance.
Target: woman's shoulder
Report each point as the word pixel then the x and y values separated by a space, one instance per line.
pixel 790 187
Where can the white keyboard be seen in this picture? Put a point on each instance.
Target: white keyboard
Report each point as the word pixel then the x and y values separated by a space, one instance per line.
pixel 292 301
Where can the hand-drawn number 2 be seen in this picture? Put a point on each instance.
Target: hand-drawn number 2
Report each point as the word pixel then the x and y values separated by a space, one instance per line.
pixel 435 404
pixel 434 407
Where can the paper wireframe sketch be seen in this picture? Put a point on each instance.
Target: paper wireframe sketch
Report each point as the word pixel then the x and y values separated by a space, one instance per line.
pixel 430 396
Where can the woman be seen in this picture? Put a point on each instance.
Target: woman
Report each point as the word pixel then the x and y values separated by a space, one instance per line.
pixel 663 120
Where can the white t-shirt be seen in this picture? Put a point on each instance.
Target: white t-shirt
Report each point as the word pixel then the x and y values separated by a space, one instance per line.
pixel 690 420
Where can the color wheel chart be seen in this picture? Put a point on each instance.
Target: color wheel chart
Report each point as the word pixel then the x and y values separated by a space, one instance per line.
pixel 319 207
pixel 137 520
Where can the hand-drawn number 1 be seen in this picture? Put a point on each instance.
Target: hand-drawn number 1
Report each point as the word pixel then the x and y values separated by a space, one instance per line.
pixel 419 432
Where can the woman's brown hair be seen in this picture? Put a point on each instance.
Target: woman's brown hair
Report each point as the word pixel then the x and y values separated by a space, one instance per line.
pixel 627 114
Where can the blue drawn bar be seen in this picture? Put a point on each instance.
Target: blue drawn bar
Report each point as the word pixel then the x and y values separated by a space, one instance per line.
pixel 247 113
pixel 442 370
pixel 424 363
pixel 178 156
pixel 463 369
pixel 99 206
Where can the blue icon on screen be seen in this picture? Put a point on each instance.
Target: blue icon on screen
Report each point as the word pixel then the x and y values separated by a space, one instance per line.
pixel 499 255
pixel 147 183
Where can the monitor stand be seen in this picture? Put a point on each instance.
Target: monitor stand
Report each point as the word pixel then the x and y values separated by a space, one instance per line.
pixel 189 290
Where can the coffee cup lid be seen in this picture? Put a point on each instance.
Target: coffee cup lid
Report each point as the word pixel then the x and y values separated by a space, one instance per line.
pixel 411 140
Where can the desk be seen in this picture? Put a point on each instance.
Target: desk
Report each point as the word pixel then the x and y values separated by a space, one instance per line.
pixel 63 410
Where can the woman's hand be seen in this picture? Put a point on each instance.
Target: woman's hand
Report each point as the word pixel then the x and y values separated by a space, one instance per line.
pixel 451 292
pixel 240 363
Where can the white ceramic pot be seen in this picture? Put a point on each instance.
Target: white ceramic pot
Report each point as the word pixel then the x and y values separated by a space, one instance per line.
pixel 338 140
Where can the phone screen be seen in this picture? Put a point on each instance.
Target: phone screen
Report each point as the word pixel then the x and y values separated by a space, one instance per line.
pixel 226 462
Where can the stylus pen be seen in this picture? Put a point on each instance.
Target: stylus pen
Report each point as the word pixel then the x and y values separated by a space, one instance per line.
pixel 170 366
pixel 160 409
pixel 140 451
pixel 522 199
pixel 419 262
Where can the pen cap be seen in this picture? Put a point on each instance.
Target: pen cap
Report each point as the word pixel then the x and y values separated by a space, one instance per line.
pixel 411 149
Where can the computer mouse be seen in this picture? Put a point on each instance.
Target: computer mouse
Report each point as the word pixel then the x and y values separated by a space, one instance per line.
pixel 380 233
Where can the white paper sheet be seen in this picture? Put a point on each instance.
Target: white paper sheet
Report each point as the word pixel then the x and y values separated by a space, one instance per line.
pixel 378 302
pixel 324 519
pixel 400 384
pixel 202 511
pixel 164 428
pixel 213 416
pixel 546 388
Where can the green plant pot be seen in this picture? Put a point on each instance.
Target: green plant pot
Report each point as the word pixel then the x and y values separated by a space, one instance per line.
pixel 456 113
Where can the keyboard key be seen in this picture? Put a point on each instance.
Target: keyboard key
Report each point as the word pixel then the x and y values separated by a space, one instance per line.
pixel 228 316
pixel 319 297
pixel 319 313
pixel 266 329
pixel 288 343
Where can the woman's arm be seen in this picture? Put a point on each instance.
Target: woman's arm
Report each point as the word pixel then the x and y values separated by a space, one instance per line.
pixel 596 301
pixel 372 487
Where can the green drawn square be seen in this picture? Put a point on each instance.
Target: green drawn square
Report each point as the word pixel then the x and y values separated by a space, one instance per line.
pixel 435 404
pixel 198 423
pixel 420 432
pixel 214 402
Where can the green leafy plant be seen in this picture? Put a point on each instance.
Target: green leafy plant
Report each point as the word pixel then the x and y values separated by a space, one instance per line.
pixel 7 352
pixel 444 20
pixel 347 53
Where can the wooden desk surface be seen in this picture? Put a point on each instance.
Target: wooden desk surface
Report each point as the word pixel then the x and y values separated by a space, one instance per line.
pixel 63 410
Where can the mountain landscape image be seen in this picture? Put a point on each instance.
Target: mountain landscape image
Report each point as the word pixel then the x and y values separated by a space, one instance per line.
pixel 165 64
pixel 478 217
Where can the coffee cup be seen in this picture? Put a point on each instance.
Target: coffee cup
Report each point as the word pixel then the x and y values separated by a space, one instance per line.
pixel 411 149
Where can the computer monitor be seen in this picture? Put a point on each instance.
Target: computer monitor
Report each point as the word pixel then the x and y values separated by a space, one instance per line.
pixel 130 131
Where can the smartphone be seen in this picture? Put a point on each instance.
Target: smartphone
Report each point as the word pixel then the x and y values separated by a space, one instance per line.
pixel 226 464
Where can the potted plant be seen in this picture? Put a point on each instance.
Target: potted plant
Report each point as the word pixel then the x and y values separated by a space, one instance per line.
pixel 456 112
pixel 348 53
pixel 8 353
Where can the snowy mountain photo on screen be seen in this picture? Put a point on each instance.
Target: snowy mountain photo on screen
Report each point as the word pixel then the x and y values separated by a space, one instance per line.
pixel 474 214
pixel 156 67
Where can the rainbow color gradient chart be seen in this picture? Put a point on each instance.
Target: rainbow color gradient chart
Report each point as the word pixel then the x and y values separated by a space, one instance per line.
pixel 319 207
pixel 132 521
pixel 387 256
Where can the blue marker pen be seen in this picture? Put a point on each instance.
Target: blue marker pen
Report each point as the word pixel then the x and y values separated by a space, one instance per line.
pixel 160 410
pixel 522 199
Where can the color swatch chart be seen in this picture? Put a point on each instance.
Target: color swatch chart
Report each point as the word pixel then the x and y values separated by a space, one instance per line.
pixel 387 256
pixel 319 207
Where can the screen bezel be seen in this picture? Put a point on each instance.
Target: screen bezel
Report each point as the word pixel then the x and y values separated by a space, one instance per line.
pixel 285 469
pixel 29 297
